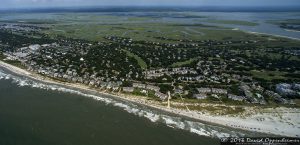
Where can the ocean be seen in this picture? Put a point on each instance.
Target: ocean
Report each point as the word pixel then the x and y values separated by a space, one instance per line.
pixel 33 116
pixel 37 113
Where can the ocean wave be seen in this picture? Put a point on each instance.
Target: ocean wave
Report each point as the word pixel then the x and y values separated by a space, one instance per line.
pixel 150 114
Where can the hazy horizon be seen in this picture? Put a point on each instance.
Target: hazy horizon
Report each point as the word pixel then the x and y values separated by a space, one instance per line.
pixel 12 4
pixel 153 8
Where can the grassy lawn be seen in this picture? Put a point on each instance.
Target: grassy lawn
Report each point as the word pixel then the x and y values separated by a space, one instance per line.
pixel 2 56
pixel 268 75
pixel 178 64
pixel 12 62
pixel 297 101
pixel 15 63
pixel 140 61
pixel 276 56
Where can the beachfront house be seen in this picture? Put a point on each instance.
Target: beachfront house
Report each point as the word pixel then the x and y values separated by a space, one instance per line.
pixel 128 89
pixel 218 91
pixel 200 96
pixel 162 96
pixel 236 98
pixel 153 88
pixel 204 90
pixel 138 85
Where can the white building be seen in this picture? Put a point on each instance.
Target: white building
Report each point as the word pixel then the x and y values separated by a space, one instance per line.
pixel 204 90
pixel 236 98
pixel 218 91
pixel 200 96
pixel 153 88
pixel 138 85
pixel 161 95
pixel 128 89
pixel 34 47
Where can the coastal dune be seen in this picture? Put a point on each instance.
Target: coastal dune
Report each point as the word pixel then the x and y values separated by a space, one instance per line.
pixel 277 121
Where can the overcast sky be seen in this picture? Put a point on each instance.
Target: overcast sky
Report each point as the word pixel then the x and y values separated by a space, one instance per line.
pixel 57 3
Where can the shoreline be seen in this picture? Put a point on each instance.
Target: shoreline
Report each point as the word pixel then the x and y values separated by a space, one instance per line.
pixel 291 30
pixel 273 35
pixel 252 123
pixel 268 34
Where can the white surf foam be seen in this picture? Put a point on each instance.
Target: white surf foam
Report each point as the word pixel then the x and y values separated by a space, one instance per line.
pixel 153 116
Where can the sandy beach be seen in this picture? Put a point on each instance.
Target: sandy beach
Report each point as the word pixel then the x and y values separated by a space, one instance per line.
pixel 278 121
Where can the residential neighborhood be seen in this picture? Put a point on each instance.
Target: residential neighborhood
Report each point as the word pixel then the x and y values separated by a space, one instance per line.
pixel 210 74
